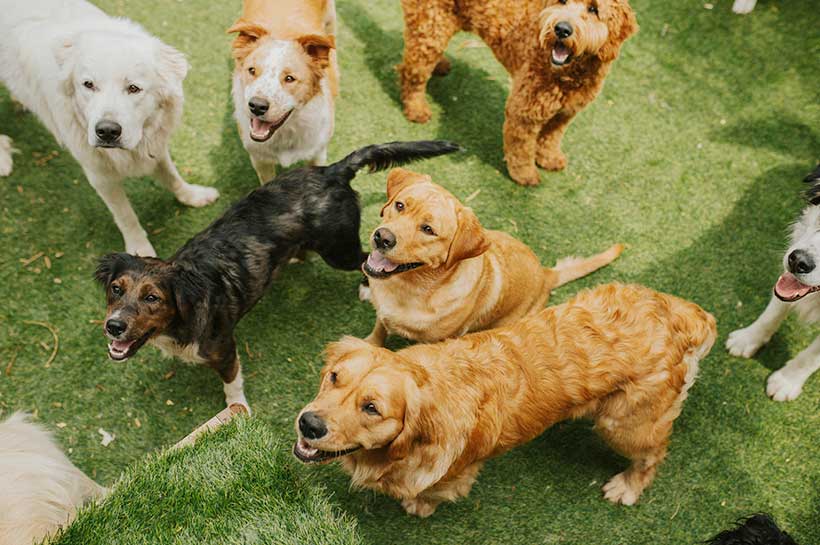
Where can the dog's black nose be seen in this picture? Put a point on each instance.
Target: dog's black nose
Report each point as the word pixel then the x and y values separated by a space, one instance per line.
pixel 108 131
pixel 800 262
pixel 312 426
pixel 563 30
pixel 258 106
pixel 116 327
pixel 384 239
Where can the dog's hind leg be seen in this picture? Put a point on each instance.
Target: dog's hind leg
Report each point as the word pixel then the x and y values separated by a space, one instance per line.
pixel 427 31
pixel 548 154
pixel 188 194
pixel 745 342
pixel 113 195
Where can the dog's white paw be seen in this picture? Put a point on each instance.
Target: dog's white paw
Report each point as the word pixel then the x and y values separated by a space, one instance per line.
pixel 197 195
pixel 239 401
pixel 140 247
pixel 784 385
pixel 743 7
pixel 419 507
pixel 364 292
pixel 6 151
pixel 744 342
pixel 618 490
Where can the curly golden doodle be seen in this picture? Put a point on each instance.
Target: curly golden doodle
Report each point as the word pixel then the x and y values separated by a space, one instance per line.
pixel 558 53
pixel 436 273
pixel 419 423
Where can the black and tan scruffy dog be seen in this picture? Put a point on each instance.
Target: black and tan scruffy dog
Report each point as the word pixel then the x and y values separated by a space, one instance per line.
pixel 189 305
pixel 758 529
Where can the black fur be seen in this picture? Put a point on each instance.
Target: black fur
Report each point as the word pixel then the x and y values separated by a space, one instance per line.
pixel 758 529
pixel 813 193
pixel 218 275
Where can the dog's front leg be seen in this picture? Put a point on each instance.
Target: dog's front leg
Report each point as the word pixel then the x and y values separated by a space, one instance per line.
pixel 378 335
pixel 265 169
pixel 226 363
pixel 113 195
pixel 745 342
pixel 519 148
pixel 787 383
pixel 188 194
pixel 549 155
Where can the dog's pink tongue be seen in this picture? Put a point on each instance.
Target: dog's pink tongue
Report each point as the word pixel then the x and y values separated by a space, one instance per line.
pixel 378 262
pixel 122 346
pixel 560 53
pixel 789 287
pixel 259 127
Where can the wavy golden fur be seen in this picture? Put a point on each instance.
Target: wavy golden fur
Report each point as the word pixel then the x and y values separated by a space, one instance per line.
pixel 418 424
pixel 545 96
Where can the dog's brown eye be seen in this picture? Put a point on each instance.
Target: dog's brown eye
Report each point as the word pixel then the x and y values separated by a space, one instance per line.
pixel 399 206
pixel 370 408
pixel 289 79
pixel 252 71
pixel 428 230
pixel 88 84
pixel 116 290
pixel 332 378
pixel 151 298
pixel 133 89
pixel 593 9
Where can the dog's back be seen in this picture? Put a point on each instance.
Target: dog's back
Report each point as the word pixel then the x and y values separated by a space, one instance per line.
pixel 40 489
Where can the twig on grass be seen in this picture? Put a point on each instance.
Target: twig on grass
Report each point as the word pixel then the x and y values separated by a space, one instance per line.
pixel 53 332
pixel 11 363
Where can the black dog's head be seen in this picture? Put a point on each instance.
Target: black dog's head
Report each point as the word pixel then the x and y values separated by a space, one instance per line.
pixel 145 297
pixel 758 529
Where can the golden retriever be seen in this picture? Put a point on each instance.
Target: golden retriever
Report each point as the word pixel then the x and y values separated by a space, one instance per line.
pixel 419 423
pixel 436 273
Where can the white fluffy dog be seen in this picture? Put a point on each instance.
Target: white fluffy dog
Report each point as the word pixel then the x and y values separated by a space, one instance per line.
pixel 40 489
pixel 797 288
pixel 107 90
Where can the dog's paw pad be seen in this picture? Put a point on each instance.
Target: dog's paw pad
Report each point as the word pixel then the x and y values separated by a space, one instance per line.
pixel 783 387
pixel 197 196
pixel 618 490
pixel 744 343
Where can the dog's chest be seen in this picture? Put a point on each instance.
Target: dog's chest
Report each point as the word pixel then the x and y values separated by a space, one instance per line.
pixel 172 349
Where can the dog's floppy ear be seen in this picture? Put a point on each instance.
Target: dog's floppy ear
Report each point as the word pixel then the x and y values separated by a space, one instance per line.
pixel 398 180
pixel 621 25
pixel 172 68
pixel 189 288
pixel 248 34
pixel 416 419
pixel 63 55
pixel 110 266
pixel 470 240
pixel 318 47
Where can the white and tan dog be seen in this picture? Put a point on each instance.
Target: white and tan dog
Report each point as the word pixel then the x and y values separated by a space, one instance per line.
pixel 107 90
pixel 796 289
pixel 40 489
pixel 285 81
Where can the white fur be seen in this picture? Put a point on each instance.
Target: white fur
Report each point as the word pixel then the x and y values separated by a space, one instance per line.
pixel 40 489
pixel 743 7
pixel 50 48
pixel 235 391
pixel 304 136
pixel 787 383
pixel 6 151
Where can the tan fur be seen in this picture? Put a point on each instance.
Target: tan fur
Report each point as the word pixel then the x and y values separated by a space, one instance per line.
pixel 473 278
pixel 621 355
pixel 544 97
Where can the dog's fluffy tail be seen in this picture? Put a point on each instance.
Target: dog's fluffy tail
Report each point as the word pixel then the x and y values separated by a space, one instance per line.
pixel 40 489
pixel 382 156
pixel 573 268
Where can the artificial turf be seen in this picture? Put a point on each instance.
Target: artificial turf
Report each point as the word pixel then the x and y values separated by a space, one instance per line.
pixel 692 155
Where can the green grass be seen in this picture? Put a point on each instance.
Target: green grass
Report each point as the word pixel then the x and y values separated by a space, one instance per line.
pixel 692 155
pixel 235 487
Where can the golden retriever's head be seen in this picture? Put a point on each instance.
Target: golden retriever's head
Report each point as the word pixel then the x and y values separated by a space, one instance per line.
pixel 572 29
pixel 368 399
pixel 276 76
pixel 423 225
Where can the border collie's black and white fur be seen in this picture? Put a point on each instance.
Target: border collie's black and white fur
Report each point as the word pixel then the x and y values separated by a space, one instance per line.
pixel 758 529
pixel 189 305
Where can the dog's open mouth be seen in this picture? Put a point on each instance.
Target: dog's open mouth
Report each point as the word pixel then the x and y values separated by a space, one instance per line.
pixel 378 266
pixel 561 54
pixel 789 288
pixel 122 350
pixel 262 130
pixel 309 455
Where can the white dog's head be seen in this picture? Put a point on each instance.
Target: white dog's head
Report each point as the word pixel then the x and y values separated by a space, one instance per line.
pixel 800 263
pixel 121 85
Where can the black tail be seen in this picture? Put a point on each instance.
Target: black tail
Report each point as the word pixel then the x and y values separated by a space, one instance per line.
pixel 382 156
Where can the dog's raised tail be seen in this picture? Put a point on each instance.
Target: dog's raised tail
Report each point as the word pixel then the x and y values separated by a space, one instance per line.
pixel 382 156
pixel 573 268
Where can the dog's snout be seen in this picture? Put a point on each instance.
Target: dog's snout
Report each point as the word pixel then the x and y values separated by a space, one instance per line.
pixel 384 239
pixel 115 327
pixel 563 30
pixel 800 262
pixel 258 106
pixel 108 131
pixel 312 426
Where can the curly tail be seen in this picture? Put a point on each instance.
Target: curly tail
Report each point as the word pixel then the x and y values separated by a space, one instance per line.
pixel 382 156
